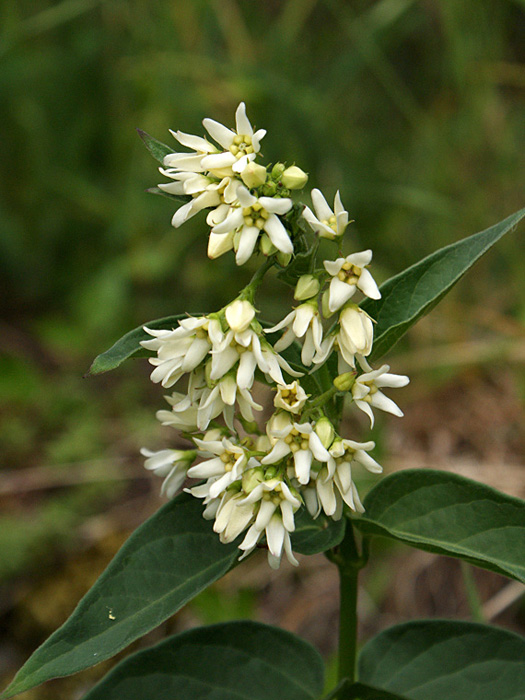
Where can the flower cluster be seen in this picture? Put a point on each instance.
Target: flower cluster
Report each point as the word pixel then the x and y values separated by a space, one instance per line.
pixel 252 482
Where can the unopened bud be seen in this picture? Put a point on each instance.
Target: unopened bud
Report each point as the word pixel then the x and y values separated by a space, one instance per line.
pixel 283 258
pixel 239 315
pixel 277 170
pixel 271 473
pixel 294 178
pixel 325 305
pixel 252 478
pixel 325 431
pixel 254 175
pixel 266 246
pixel 307 286
pixel 344 382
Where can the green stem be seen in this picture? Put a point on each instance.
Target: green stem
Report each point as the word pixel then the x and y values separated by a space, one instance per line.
pixel 348 561
pixel 248 292
pixel 473 599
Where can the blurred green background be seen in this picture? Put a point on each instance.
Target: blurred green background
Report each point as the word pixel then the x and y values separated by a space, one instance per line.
pixel 414 110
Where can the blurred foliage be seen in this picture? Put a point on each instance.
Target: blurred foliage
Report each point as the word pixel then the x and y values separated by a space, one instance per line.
pixel 414 110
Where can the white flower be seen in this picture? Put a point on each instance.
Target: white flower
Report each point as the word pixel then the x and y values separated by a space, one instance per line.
pixel 291 397
pixel 188 162
pixel 233 516
pixel 325 222
pixel 275 518
pixel 240 146
pixel 170 464
pixel 227 462
pixel 356 333
pixel 247 349
pixel 180 350
pixel 344 454
pixel 303 322
pixel 222 398
pixel 253 215
pixel 301 441
pixel 366 389
pixel 349 274
pixel 206 193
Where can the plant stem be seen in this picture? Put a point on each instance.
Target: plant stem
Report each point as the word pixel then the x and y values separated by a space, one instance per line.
pixel 349 561
pixel 248 292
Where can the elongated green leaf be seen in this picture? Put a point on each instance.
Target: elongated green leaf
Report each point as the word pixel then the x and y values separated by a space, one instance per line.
pixel 410 295
pixel 313 536
pixel 233 661
pixel 448 514
pixel 157 149
pixel 437 659
pixel 168 560
pixel 129 345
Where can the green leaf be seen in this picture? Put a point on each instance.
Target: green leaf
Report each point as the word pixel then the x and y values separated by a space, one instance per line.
pixel 313 536
pixel 168 560
pixel 437 659
pixel 129 345
pixel 346 690
pixel 449 514
pixel 410 295
pixel 157 149
pixel 232 661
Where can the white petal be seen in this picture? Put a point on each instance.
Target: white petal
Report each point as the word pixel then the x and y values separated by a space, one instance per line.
pixel 245 198
pixel 278 235
pixel 367 285
pixel 218 161
pixel 276 205
pixel 275 536
pixel 333 267
pixel 246 370
pixel 321 207
pixel 212 467
pixel 197 143
pixel 219 132
pixel 379 400
pixel 248 239
pixel 231 222
pixel 317 448
pixel 278 452
pixel 303 463
pixel 340 293
pixel 222 362
pixel 303 317
pixel 244 128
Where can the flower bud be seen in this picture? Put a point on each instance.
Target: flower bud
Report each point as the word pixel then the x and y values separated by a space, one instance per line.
pixel 266 246
pixel 325 431
pixel 307 286
pixel 252 478
pixel 325 299
pixel 294 178
pixel 277 170
pixel 239 315
pixel 283 258
pixel 344 382
pixel 254 175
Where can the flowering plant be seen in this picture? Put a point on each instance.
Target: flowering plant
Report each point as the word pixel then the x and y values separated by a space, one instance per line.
pixel 290 487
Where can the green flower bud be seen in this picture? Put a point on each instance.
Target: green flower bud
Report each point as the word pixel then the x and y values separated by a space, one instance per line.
pixel 266 246
pixel 307 286
pixel 277 170
pixel 344 382
pixel 294 178
pixel 325 431
pixel 252 478
pixel 324 305
pixel 283 258
pixel 254 175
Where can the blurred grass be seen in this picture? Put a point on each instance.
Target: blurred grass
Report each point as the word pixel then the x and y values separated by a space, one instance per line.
pixel 414 110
